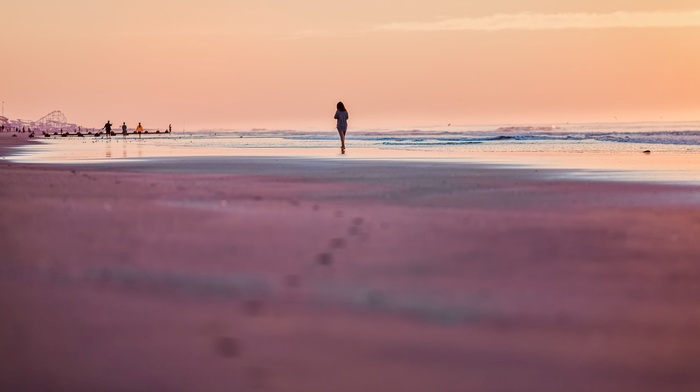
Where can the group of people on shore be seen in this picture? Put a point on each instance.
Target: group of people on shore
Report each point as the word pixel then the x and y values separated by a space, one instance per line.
pixel 125 130
pixel 107 128
pixel 341 116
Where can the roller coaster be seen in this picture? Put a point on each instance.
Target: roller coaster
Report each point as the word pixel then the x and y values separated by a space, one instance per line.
pixel 52 122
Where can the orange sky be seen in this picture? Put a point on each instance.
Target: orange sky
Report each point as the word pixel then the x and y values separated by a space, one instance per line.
pixel 279 63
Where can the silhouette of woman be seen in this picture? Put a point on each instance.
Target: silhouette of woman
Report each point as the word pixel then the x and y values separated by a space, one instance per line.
pixel 341 114
pixel 139 129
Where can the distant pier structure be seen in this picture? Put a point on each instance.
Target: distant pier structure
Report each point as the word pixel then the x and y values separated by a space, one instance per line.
pixel 52 122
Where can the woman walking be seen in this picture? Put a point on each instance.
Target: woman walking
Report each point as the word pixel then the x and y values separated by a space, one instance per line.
pixel 341 114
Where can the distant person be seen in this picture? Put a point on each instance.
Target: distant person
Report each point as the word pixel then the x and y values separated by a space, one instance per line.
pixel 108 128
pixel 124 129
pixel 139 130
pixel 341 114
pixel 170 128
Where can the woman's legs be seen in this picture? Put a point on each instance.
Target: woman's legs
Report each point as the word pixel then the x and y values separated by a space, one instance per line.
pixel 342 140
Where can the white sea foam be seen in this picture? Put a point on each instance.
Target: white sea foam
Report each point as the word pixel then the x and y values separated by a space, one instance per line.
pixel 437 138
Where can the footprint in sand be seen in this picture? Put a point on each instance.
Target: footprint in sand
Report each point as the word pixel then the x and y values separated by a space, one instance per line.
pixel 226 346
pixel 325 258
pixel 355 228
pixel 337 243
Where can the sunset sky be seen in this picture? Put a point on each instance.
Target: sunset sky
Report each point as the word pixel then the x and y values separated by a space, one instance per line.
pixel 398 63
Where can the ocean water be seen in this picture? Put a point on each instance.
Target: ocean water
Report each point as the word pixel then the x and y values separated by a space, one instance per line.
pixel 675 137
pixel 612 150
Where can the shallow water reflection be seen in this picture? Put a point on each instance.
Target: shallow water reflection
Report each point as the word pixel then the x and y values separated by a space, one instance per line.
pixel 584 159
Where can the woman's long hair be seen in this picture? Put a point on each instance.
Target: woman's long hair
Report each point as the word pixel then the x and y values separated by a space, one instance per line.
pixel 340 107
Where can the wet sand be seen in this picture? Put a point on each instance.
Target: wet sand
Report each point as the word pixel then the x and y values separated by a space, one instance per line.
pixel 264 274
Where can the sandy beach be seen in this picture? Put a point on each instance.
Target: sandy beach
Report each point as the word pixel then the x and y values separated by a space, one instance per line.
pixel 280 274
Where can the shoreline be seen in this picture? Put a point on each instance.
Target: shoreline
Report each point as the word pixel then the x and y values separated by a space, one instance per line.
pixel 663 168
pixel 307 275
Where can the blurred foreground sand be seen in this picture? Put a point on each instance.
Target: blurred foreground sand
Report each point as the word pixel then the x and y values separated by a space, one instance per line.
pixel 244 274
